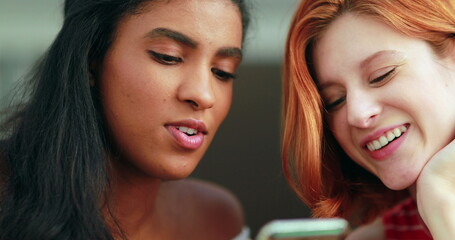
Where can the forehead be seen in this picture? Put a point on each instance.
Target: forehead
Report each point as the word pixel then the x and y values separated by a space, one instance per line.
pixel 351 39
pixel 200 19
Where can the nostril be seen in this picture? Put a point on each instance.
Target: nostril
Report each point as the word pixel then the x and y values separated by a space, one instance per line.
pixel 192 103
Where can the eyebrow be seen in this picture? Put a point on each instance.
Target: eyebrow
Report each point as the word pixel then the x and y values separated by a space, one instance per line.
pixel 364 63
pixel 369 59
pixel 174 35
pixel 182 38
pixel 230 52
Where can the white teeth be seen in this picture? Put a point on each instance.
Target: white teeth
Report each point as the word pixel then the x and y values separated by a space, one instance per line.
pixel 396 132
pixel 187 130
pixel 386 138
pixel 376 144
pixel 390 136
pixel 383 140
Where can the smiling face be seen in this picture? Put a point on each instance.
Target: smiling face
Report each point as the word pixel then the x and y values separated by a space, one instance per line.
pixel 166 83
pixel 390 98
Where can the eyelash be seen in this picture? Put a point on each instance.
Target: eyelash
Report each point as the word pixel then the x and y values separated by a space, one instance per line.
pixel 378 80
pixel 165 59
pixel 171 60
pixel 222 75
pixel 331 106
pixel 384 77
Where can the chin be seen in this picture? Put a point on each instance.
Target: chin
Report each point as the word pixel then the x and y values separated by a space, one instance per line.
pixel 400 183
pixel 397 187
pixel 177 172
pixel 175 176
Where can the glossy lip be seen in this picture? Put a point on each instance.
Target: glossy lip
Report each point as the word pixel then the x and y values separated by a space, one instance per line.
pixel 390 148
pixel 183 140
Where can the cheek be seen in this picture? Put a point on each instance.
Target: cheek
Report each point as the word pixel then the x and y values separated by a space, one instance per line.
pixel 224 101
pixel 145 96
pixel 137 84
pixel 227 102
pixel 341 131
pixel 131 97
pixel 339 126
pixel 428 99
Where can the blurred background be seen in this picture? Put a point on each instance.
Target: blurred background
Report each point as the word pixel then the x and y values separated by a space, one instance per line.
pixel 245 155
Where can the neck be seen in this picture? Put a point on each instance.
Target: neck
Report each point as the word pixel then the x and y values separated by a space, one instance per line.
pixel 132 198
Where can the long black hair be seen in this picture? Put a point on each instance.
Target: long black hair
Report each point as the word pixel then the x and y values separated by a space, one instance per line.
pixel 53 153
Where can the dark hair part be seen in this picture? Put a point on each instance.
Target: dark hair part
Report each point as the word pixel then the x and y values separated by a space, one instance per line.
pixel 53 155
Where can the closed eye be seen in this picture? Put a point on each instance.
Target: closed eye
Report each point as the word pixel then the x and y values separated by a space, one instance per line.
pixel 222 75
pixel 383 77
pixel 165 59
pixel 333 105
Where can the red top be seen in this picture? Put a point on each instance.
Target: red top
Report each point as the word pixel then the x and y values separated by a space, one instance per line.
pixel 403 222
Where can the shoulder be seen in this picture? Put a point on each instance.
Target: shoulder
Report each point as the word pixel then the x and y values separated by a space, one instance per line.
pixel 207 196
pixel 212 207
pixel 372 231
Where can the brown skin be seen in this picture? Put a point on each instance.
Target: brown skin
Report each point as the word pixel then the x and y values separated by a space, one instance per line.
pixel 142 93
pixel 183 209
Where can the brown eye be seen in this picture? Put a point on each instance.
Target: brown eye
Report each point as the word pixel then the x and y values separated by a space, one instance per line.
pixel 165 59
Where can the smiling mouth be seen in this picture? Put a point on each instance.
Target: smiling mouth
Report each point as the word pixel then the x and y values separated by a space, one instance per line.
pixel 385 139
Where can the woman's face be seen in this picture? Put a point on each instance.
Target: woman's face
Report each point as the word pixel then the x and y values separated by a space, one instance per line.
pixel 390 98
pixel 166 83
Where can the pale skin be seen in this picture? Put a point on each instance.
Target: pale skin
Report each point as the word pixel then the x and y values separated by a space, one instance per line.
pixel 170 66
pixel 435 199
pixel 435 194
pixel 383 81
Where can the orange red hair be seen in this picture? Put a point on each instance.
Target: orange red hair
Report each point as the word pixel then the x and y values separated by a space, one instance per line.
pixel 315 166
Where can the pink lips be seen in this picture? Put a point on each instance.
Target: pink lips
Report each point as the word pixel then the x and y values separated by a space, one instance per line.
pixel 387 150
pixel 183 140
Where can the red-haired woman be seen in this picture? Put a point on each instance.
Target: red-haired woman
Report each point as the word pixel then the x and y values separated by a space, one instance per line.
pixel 369 114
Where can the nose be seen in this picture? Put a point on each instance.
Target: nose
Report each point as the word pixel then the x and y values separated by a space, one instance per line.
pixel 363 108
pixel 197 90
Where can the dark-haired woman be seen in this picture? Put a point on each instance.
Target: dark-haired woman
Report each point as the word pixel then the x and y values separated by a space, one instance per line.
pixel 128 97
